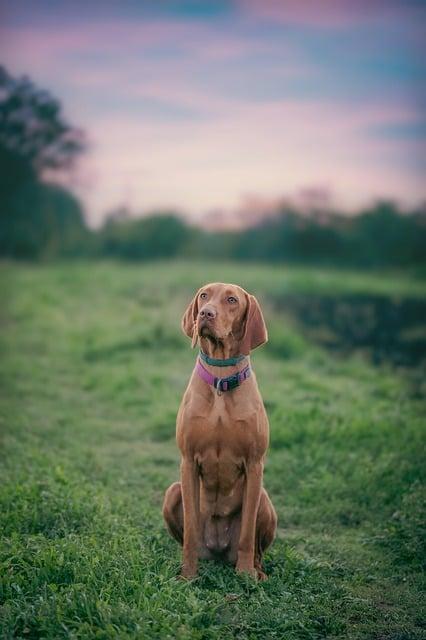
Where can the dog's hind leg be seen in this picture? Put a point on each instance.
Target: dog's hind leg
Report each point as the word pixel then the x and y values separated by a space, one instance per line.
pixel 266 527
pixel 173 516
pixel 173 511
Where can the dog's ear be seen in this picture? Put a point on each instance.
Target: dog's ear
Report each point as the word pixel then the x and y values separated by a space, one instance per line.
pixel 254 327
pixel 189 320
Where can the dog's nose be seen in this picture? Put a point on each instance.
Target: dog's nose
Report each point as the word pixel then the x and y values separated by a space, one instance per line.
pixel 208 313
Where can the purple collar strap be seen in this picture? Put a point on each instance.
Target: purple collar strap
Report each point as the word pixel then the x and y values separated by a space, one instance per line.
pixel 223 384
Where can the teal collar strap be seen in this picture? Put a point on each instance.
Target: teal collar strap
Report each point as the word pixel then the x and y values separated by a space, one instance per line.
pixel 217 362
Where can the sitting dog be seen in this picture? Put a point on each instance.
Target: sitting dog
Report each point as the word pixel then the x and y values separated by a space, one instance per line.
pixel 219 509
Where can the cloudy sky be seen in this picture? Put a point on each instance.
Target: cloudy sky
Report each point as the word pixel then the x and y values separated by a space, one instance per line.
pixel 205 105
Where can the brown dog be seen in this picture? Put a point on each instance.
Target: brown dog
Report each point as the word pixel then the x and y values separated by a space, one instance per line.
pixel 220 509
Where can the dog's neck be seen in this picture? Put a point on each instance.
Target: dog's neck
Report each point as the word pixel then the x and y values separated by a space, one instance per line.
pixel 219 349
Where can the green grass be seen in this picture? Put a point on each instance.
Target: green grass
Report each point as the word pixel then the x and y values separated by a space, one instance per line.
pixel 93 366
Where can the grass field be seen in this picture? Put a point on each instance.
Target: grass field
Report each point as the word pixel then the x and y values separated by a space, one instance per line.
pixel 93 366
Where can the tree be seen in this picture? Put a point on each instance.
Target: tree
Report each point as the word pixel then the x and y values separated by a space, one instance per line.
pixel 33 129
pixel 34 138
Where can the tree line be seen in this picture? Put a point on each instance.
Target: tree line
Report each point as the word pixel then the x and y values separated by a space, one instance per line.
pixel 379 236
pixel 40 220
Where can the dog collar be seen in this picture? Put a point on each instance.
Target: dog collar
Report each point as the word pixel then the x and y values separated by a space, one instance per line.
pixel 223 384
pixel 217 362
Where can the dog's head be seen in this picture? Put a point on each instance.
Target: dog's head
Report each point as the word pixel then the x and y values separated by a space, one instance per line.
pixel 225 314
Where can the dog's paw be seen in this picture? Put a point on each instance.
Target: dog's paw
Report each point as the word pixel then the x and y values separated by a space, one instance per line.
pixel 188 573
pixel 247 570
pixel 261 575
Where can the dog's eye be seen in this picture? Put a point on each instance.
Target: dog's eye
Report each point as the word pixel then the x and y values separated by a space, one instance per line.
pixel 203 295
pixel 232 299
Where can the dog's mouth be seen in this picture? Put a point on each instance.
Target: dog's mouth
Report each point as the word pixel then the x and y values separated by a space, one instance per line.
pixel 206 330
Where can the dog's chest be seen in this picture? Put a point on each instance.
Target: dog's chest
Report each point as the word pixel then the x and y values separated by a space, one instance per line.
pixel 218 427
pixel 235 422
pixel 219 468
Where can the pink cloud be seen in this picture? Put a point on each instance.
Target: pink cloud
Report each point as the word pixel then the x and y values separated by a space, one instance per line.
pixel 48 46
pixel 199 166
pixel 275 146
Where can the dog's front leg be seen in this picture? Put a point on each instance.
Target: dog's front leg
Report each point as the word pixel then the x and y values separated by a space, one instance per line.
pixel 191 516
pixel 246 546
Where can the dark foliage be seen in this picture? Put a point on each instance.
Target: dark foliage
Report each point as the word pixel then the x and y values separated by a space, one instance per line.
pixel 379 236
pixel 37 220
pixel 44 221
pixel 157 236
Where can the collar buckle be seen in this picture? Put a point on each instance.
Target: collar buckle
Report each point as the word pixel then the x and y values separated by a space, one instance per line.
pixel 223 384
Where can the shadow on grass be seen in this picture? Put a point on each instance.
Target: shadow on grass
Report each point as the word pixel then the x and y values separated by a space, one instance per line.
pixel 388 329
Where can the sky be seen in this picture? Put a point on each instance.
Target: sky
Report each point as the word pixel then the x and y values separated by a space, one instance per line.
pixel 216 107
